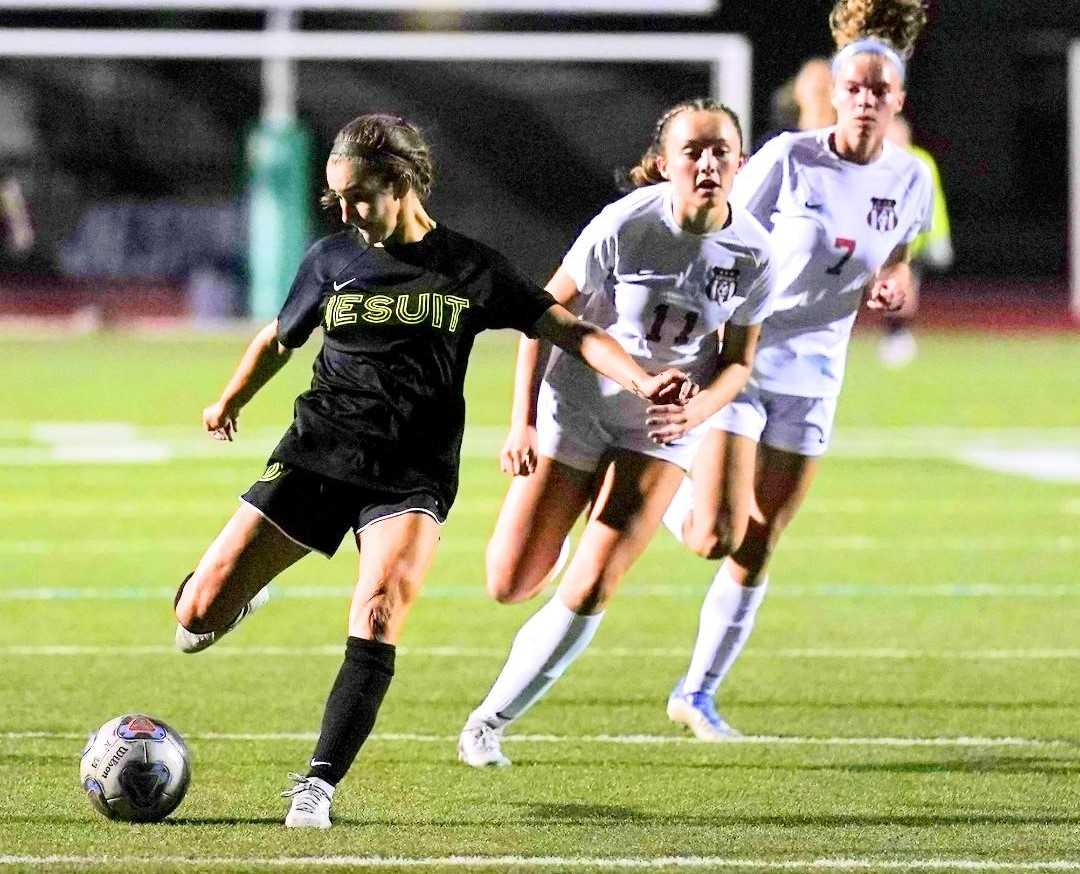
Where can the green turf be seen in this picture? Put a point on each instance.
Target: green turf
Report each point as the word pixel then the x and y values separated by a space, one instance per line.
pixel 960 573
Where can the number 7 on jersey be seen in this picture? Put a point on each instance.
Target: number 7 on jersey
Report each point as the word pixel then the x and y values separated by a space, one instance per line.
pixel 849 249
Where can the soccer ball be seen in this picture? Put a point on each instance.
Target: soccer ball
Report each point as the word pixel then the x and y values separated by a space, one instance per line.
pixel 135 768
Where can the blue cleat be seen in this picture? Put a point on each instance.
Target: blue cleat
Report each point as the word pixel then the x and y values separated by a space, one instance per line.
pixel 697 711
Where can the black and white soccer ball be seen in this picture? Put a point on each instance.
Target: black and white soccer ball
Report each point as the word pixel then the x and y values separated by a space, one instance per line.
pixel 135 768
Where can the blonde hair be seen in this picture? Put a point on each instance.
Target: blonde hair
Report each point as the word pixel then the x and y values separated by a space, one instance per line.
pixel 897 23
pixel 646 172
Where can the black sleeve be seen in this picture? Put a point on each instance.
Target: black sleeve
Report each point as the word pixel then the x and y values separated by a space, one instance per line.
pixel 300 314
pixel 514 301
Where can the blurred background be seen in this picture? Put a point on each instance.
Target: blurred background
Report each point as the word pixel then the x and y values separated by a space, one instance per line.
pixel 166 188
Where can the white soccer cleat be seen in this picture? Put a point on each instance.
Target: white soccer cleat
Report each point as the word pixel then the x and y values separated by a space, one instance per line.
pixel 698 713
pixel 310 806
pixel 479 746
pixel 898 350
pixel 189 641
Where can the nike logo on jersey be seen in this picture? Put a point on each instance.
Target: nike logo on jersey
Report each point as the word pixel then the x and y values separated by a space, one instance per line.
pixel 346 282
pixel 810 205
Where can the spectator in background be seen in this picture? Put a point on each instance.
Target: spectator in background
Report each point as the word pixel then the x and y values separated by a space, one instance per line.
pixel 18 143
pixel 813 94
pixel 803 102
pixel 930 250
pixel 18 231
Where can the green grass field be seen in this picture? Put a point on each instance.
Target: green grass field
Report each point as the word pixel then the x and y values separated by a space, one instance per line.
pixel 911 694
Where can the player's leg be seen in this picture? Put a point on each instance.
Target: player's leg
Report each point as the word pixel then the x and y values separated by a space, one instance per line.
pixel 782 478
pixel 722 484
pixel 710 509
pixel 732 602
pixel 629 504
pixel 537 514
pixel 397 552
pixel 228 583
pixel 287 513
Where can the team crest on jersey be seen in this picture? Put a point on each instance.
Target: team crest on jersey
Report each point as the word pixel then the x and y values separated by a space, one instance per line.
pixel 723 284
pixel 882 215
pixel 272 472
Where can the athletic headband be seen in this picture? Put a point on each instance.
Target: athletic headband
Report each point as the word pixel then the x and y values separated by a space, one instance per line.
pixel 351 150
pixel 869 46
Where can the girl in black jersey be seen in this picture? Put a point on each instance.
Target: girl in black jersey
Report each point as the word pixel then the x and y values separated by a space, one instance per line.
pixel 374 443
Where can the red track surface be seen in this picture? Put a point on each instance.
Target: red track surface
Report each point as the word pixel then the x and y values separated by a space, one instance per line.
pixel 951 304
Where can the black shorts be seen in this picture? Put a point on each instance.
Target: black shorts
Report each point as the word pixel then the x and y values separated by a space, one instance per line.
pixel 315 512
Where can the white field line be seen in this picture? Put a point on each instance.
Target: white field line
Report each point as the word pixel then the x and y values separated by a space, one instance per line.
pixel 153 507
pixel 607 739
pixel 121 442
pixel 336 650
pixel 77 549
pixel 510 862
pixel 693 589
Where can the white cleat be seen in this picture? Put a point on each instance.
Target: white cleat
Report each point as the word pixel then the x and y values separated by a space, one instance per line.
pixel 898 350
pixel 310 807
pixel 698 713
pixel 189 641
pixel 479 746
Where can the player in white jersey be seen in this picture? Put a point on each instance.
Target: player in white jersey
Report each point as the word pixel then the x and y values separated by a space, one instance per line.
pixel 664 270
pixel 843 204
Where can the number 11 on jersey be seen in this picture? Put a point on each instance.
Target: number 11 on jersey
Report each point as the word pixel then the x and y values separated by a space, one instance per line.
pixel 660 315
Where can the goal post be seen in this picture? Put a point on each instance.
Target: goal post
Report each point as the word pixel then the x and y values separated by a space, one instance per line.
pixel 728 58
pixel 1074 179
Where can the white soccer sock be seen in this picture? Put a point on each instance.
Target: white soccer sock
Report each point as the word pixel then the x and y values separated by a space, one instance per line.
pixel 727 618
pixel 679 508
pixel 542 650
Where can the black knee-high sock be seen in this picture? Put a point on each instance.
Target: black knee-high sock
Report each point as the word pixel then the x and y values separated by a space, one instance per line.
pixel 353 704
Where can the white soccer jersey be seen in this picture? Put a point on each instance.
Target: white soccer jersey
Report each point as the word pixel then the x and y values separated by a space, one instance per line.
pixel 663 292
pixel 833 223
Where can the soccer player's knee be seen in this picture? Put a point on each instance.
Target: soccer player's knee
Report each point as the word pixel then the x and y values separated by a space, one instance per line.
pixel 502 590
pixel 714 541
pixel 390 595
pixel 504 581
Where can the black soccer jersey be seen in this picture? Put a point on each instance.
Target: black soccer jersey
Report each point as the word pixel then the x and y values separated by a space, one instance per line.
pixel 386 407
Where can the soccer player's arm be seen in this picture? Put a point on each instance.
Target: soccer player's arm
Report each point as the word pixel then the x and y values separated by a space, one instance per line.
pixel 518 456
pixel 602 352
pixel 668 422
pixel 264 356
pixel 894 283
pixel 272 346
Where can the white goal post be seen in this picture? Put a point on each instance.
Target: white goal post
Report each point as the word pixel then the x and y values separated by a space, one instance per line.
pixel 546 7
pixel 728 56
pixel 1074 179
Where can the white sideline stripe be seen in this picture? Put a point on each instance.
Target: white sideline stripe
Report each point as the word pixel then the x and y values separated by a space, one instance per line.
pixel 633 862
pixel 843 543
pixel 638 590
pixel 1048 452
pixel 335 650
pixel 616 739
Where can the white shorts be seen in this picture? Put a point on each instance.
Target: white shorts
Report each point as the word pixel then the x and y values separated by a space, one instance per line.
pixel 787 422
pixel 576 428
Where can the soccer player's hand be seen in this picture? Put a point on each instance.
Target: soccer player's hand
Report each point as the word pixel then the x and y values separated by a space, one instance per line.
pixel 668 386
pixel 219 420
pixel 668 422
pixel 518 455
pixel 890 288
